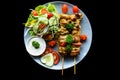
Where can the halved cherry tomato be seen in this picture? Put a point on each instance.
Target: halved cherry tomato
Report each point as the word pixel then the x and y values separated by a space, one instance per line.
pixel 83 37
pixel 42 25
pixel 49 15
pixel 56 57
pixel 52 43
pixel 63 44
pixel 75 9
pixel 64 8
pixel 44 11
pixel 34 13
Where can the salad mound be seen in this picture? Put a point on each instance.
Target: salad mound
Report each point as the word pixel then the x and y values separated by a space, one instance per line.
pixel 43 20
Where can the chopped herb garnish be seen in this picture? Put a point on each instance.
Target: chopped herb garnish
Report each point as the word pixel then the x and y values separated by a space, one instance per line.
pixel 69 39
pixel 69 26
pixel 36 44
pixel 68 47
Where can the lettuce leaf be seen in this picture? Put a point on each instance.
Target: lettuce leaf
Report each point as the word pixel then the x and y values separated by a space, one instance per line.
pixel 43 19
pixel 32 33
pixel 51 8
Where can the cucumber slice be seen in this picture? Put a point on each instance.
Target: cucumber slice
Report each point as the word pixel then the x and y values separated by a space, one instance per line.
pixel 48 59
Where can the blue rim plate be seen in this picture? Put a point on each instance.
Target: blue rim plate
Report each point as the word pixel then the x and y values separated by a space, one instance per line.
pixel 86 29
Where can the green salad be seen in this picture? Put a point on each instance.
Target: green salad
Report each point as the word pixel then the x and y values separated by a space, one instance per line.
pixel 43 20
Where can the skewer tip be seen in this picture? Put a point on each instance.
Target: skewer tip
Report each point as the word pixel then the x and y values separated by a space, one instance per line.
pixel 62 64
pixel 74 65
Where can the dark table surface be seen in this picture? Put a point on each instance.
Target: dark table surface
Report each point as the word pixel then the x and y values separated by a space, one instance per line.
pixel 86 69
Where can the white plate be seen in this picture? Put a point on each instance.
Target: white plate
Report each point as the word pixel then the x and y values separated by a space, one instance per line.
pixel 86 29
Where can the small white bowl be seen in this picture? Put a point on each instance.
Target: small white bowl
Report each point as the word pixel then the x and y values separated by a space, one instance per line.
pixel 33 51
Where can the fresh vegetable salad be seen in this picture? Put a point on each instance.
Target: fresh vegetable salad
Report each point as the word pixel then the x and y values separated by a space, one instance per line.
pixel 43 20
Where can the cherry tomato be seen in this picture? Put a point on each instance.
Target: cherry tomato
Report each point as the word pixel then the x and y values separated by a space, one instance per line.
pixel 56 57
pixel 34 13
pixel 52 43
pixel 75 9
pixel 49 15
pixel 65 8
pixel 63 44
pixel 83 37
pixel 44 11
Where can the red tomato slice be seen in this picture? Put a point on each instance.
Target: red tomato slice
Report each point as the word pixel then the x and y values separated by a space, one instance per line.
pixel 34 13
pixel 44 11
pixel 47 50
pixel 75 9
pixel 64 8
pixel 56 57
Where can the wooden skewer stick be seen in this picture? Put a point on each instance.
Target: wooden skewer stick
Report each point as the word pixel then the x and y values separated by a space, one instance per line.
pixel 74 65
pixel 62 64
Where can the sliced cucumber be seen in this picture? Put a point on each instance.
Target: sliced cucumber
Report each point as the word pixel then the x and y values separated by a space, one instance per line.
pixel 48 59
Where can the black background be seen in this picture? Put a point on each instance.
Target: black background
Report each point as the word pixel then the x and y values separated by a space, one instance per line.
pixel 86 69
